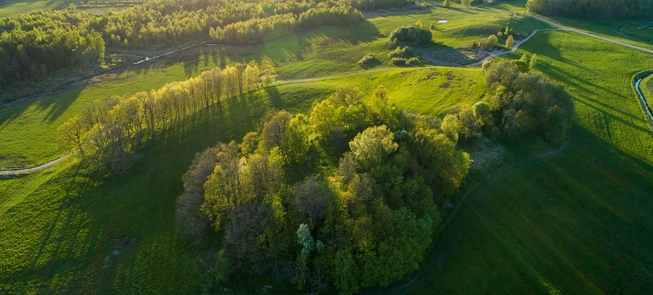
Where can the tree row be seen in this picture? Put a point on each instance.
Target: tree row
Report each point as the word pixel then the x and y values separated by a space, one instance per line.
pixel 116 129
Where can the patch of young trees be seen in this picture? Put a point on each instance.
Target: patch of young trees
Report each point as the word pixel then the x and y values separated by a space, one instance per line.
pixel 597 9
pixel 117 128
pixel 344 196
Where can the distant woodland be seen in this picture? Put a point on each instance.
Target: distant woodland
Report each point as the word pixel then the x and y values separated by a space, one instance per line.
pixel 39 43
pixel 596 9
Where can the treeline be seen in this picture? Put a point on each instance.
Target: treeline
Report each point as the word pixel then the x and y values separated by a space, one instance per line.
pixel 36 44
pixel 257 30
pixel 118 128
pixel 596 9
pixel 344 196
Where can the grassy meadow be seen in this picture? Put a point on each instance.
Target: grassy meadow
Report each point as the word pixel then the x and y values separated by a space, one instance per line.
pixel 574 223
pixel 28 128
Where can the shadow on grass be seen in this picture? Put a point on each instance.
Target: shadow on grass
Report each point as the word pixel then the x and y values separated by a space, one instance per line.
pixel 584 208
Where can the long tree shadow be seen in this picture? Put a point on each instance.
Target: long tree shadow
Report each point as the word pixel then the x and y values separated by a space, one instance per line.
pixel 591 180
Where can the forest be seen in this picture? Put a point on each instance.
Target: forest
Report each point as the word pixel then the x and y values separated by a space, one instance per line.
pixel 603 10
pixel 36 44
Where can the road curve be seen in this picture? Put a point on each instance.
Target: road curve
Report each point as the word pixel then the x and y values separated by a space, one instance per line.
pixel 37 168
pixel 478 63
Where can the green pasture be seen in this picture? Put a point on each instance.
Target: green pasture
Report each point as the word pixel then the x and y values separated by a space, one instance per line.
pixel 574 223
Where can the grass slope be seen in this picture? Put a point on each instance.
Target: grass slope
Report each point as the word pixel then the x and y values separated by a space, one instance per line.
pixel 60 227
pixel 27 129
pixel 576 223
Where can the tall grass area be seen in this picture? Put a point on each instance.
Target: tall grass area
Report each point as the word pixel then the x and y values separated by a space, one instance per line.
pixel 575 223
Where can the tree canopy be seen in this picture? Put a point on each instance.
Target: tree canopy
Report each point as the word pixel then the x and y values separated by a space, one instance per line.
pixel 361 215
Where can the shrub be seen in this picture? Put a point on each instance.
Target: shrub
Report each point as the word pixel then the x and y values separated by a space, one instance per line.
pixel 398 61
pixel 490 43
pixel 416 34
pixel 368 60
pixel 413 61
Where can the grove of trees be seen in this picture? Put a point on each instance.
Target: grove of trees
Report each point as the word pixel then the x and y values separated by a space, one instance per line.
pixel 527 102
pixel 117 129
pixel 596 9
pixel 38 43
pixel 345 196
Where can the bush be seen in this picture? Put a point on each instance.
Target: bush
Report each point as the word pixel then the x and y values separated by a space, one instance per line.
pixel 368 60
pixel 416 34
pixel 488 44
pixel 405 53
pixel 398 61
pixel 413 61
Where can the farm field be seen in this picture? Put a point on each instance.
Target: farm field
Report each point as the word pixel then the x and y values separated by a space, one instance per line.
pixel 576 221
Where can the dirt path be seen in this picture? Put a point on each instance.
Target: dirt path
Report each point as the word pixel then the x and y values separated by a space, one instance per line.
pixel 37 168
pixel 478 63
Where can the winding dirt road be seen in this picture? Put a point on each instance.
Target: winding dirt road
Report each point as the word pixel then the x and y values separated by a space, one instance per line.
pixel 478 63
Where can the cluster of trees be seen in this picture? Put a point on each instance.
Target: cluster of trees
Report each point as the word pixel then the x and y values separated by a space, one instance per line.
pixel 36 44
pixel 527 102
pixel 118 128
pixel 257 30
pixel 414 34
pixel 345 195
pixel 597 9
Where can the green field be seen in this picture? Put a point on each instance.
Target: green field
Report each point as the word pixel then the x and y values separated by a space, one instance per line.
pixel 323 52
pixel 576 223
